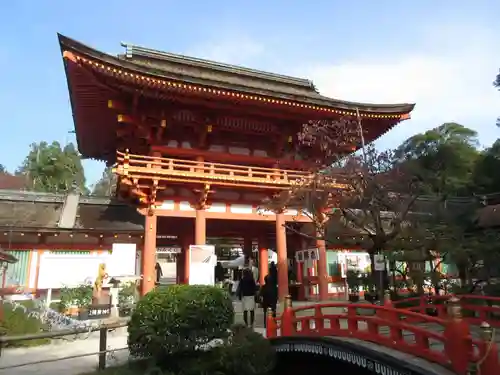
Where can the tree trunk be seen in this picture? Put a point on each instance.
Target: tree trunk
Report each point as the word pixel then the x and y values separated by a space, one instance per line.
pixel 377 276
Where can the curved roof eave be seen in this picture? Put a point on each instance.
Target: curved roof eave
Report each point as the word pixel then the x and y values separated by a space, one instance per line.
pixel 68 44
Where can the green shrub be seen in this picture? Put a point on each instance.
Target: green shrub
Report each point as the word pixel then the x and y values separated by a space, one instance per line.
pixel 246 353
pixel 179 319
pixel 16 321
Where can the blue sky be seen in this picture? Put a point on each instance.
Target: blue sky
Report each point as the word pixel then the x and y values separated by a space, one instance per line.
pixel 443 55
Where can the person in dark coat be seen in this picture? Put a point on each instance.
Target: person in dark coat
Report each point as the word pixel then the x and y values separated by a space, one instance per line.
pixel 246 292
pixel 159 272
pixel 273 273
pixel 219 274
pixel 269 296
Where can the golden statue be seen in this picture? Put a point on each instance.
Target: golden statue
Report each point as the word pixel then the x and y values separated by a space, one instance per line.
pixel 101 275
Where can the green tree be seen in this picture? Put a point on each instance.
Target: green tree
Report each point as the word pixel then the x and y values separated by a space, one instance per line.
pixel 445 157
pixel 3 169
pixel 377 195
pixel 106 186
pixel 486 178
pixel 50 168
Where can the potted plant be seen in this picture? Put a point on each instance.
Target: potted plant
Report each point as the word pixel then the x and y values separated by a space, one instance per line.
pixel 66 300
pixel 126 298
pixel 83 299
pixel 353 284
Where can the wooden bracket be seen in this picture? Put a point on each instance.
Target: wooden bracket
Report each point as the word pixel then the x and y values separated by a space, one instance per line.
pixel 203 196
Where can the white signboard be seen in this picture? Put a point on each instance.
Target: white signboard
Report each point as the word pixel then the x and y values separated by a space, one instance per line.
pixel 68 270
pixel 379 262
pixel 202 260
pixel 121 261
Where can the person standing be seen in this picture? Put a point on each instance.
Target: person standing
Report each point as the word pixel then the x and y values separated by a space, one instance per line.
pixel 246 292
pixel 269 296
pixel 219 274
pixel 159 272
pixel 273 273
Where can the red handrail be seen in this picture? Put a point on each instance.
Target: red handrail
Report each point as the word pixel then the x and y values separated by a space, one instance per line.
pixel 448 344
pixel 475 308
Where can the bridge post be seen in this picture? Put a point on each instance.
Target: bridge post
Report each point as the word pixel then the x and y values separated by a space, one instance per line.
pixel 352 322
pixel 384 314
pixel 488 352
pixel 271 327
pixel 319 324
pixel 287 324
pixel 457 345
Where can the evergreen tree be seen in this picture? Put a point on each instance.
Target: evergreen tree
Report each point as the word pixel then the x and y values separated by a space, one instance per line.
pixel 50 168
pixel 106 186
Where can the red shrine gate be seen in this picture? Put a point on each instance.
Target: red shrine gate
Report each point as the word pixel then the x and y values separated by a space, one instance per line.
pixel 198 145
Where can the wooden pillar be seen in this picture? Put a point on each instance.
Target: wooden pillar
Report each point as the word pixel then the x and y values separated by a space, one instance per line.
pixel 200 228
pixel 186 242
pixel 322 271
pixel 282 256
pixel 263 260
pixel 148 260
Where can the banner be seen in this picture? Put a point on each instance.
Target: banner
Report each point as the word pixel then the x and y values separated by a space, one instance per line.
pixel 202 261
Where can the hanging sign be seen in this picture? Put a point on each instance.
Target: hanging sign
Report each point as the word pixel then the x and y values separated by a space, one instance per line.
pixel 336 352
pixel 307 255
pixel 379 262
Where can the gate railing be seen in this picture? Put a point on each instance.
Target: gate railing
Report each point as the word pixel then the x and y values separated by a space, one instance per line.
pixel 181 170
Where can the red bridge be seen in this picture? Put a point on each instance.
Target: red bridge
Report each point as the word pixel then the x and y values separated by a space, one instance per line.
pixel 455 334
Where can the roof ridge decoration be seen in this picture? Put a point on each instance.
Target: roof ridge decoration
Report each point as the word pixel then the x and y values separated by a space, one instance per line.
pixel 132 50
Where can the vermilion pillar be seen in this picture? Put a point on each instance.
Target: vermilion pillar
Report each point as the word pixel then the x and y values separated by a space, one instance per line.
pixel 282 256
pixel 263 260
pixel 186 242
pixel 149 254
pixel 322 271
pixel 200 228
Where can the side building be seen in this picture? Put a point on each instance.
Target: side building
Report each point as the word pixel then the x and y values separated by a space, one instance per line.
pixel 59 240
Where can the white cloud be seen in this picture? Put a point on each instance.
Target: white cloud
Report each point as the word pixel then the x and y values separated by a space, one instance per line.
pixel 448 75
pixel 443 88
pixel 449 78
pixel 238 49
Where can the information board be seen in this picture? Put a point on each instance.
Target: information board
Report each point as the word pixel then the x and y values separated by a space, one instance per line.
pixel 121 261
pixel 68 270
pixel 202 261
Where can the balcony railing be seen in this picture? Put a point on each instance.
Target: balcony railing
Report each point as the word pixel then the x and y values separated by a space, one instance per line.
pixel 142 167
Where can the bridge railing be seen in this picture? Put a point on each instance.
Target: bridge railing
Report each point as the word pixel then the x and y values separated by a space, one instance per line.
pixel 447 342
pixel 474 308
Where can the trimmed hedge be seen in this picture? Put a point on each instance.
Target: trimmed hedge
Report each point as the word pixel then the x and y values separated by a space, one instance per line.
pixel 178 320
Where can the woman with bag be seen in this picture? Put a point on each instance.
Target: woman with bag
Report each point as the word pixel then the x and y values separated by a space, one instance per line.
pixel 246 292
